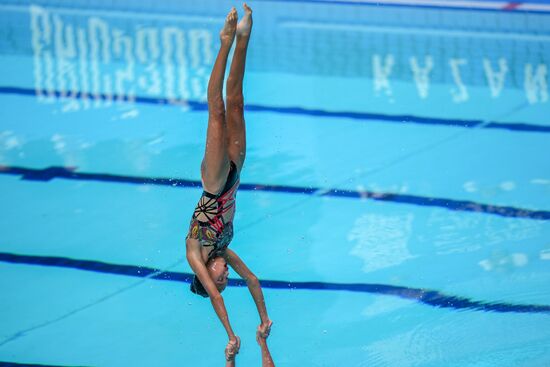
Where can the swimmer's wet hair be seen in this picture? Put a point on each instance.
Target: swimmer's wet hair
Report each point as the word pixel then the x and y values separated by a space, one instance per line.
pixel 198 288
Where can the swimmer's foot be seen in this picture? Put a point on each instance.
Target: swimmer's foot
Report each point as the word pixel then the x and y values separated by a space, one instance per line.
pixel 227 34
pixel 245 25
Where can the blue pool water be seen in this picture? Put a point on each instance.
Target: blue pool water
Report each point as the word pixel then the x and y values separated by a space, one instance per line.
pixel 395 201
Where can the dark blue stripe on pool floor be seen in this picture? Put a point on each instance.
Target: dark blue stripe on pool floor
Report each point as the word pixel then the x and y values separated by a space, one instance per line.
pixel 425 296
pixel 19 364
pixel 50 173
pixel 402 119
pixel 511 6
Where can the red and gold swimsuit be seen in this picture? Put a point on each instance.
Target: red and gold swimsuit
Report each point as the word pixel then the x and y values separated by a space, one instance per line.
pixel 212 221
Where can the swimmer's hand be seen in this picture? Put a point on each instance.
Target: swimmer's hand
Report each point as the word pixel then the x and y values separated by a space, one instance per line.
pixel 232 348
pixel 263 330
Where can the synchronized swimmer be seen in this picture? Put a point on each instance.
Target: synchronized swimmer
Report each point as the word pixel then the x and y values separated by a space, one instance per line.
pixel 211 228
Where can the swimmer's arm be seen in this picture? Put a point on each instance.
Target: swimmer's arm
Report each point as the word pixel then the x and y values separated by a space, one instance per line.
pixel 251 281
pixel 195 261
pixel 267 361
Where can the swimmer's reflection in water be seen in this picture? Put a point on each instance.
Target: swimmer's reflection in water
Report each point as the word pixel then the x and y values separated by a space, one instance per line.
pixel 211 228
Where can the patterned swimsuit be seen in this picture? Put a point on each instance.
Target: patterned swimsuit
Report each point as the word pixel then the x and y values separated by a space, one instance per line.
pixel 212 221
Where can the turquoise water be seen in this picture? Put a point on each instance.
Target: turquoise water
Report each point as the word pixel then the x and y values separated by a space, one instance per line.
pixel 395 201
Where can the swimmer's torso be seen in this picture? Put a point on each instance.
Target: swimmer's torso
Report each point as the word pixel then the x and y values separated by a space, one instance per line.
pixel 212 221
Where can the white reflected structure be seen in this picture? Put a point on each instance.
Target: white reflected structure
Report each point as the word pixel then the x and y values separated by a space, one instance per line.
pixel 381 69
pixel 430 56
pixel 459 91
pixel 96 58
pixel 495 79
pixel 102 63
pixel 422 75
pixel 536 86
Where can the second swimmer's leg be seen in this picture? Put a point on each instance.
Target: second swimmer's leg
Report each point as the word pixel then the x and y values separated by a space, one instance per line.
pixel 215 164
pixel 236 133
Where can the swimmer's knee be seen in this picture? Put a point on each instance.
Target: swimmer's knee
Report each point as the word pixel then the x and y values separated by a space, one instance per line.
pixel 216 107
pixel 212 181
pixel 235 103
pixel 252 279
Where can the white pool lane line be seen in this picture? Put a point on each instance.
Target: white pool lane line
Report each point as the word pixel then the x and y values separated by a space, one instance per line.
pixel 444 4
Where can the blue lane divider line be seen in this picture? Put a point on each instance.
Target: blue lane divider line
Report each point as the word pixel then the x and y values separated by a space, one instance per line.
pixel 458 205
pixel 450 5
pixel 428 297
pixel 18 364
pixel 47 174
pixel 404 119
pixel 517 127
pixel 364 116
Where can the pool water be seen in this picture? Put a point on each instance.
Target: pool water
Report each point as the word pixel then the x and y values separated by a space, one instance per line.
pixel 395 200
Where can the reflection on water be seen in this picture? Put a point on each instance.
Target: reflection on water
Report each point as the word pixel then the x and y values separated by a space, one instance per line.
pixel 452 233
pixel 94 63
pixel 501 261
pixel 381 240
pixel 434 342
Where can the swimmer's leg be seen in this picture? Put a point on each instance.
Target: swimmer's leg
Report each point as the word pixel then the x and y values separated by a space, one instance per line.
pixel 236 133
pixel 215 164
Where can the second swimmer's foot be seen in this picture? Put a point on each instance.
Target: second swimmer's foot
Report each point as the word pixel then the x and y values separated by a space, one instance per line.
pixel 227 34
pixel 245 25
